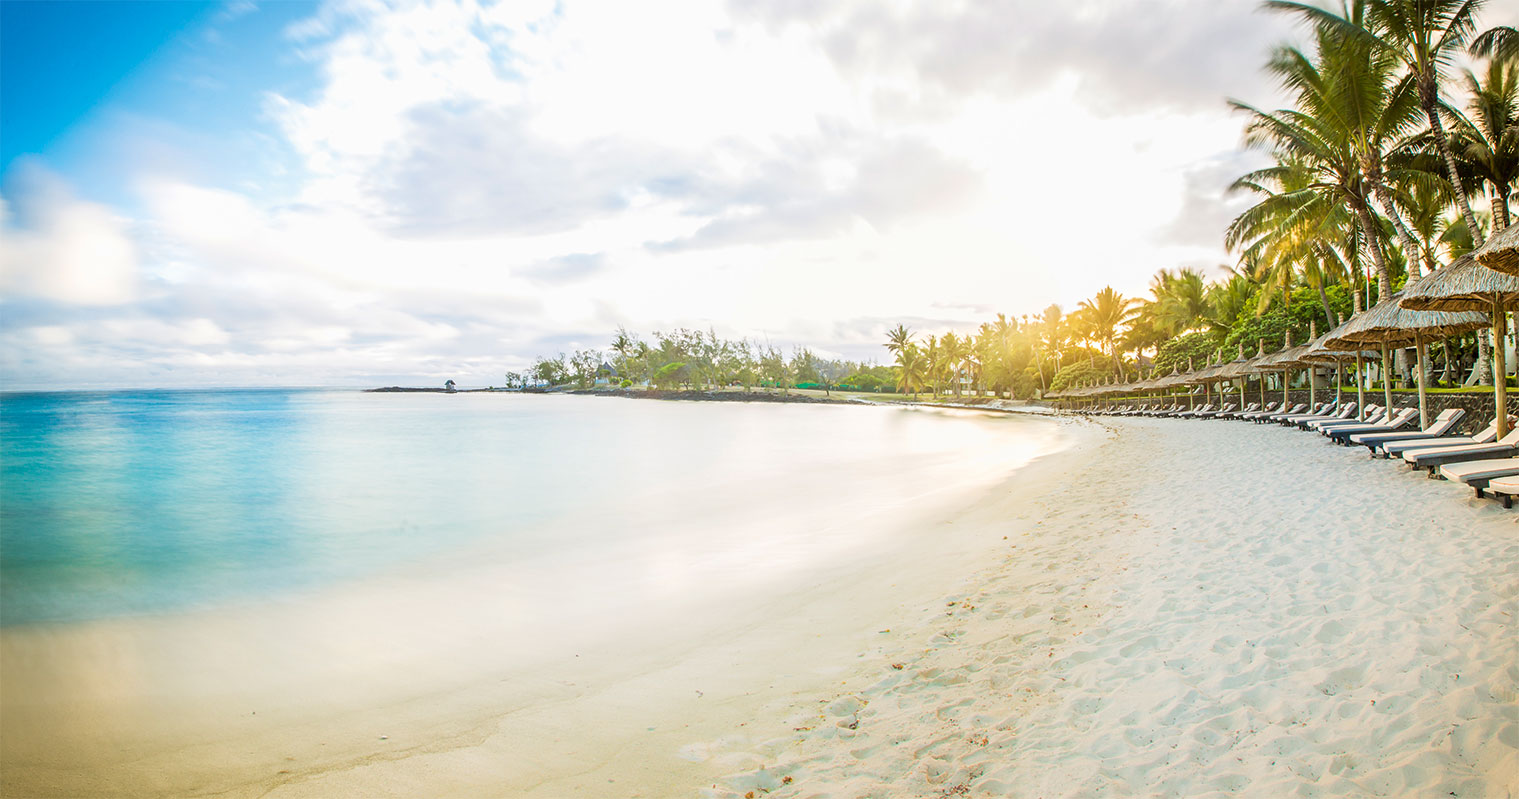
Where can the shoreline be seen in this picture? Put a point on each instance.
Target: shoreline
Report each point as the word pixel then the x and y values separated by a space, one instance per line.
pixel 993 404
pixel 1195 626
pixel 169 706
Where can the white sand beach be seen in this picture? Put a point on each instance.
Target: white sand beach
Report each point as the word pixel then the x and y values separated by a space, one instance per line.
pixel 1199 609
pixel 1168 608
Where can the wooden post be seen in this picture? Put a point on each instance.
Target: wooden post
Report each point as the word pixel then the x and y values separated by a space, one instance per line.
pixel 1386 377
pixel 1500 368
pixel 1421 351
pixel 1360 389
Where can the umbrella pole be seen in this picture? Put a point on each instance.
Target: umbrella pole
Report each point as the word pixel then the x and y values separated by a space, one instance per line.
pixel 1500 369
pixel 1360 389
pixel 1286 385
pixel 1313 385
pixel 1387 379
pixel 1423 353
pixel 1262 378
pixel 1339 379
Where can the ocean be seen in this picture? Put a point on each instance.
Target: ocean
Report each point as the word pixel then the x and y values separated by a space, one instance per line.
pixel 160 502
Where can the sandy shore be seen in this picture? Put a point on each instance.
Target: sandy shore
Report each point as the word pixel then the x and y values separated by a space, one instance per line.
pixel 1168 608
pixel 479 676
pixel 1199 609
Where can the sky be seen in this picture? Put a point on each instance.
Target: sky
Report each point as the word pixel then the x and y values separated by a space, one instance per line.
pixel 366 193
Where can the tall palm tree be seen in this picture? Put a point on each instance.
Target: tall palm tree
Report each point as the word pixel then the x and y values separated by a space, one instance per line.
pixel 898 338
pixel 1105 313
pixel 1290 233
pixel 953 351
pixel 1425 36
pixel 911 366
pixel 1181 301
pixel 1487 140
pixel 1320 137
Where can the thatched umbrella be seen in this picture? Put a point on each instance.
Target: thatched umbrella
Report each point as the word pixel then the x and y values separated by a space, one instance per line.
pixel 1283 360
pixel 1318 352
pixel 1389 324
pixel 1205 376
pixel 1467 285
pixel 1501 252
pixel 1237 369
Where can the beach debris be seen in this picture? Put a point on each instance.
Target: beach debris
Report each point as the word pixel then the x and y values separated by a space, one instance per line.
pixel 899 666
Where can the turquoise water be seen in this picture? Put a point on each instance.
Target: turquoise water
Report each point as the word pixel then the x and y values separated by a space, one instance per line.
pixel 160 501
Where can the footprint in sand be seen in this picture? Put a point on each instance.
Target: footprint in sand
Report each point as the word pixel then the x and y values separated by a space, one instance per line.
pixel 1330 632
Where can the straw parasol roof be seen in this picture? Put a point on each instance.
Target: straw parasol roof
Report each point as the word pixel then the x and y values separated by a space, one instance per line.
pixel 1318 351
pixel 1239 367
pixel 1501 252
pixel 1465 285
pixel 1389 323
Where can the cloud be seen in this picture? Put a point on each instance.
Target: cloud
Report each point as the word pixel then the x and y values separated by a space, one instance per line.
pixel 566 268
pixel 1206 207
pixel 1183 54
pixel 793 199
pixel 61 248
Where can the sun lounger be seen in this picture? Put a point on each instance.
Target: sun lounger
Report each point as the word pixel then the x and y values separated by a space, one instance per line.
pixel 1376 417
pixel 1320 411
pixel 1341 435
pixel 1251 408
pixel 1228 406
pixel 1323 412
pixel 1478 474
pixel 1396 447
pixel 1203 409
pixel 1435 457
pixel 1280 413
pixel 1504 488
pixel 1442 425
pixel 1266 411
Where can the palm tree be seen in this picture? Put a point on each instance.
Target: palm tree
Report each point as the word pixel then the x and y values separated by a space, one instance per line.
pixel 954 351
pixel 1181 301
pixel 910 368
pixel 898 338
pixel 1488 140
pixel 1104 314
pixel 1424 35
pixel 1320 140
pixel 1290 234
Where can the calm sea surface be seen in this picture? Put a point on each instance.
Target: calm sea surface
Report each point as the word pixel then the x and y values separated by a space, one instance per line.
pixel 159 501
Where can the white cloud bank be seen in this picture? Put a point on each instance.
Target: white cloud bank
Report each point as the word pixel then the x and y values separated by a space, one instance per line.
pixel 479 183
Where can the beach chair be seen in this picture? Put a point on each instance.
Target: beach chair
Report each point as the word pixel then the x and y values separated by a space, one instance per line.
pixel 1188 414
pixel 1227 407
pixel 1281 413
pixel 1442 425
pixel 1504 488
pixel 1251 408
pixel 1435 457
pixel 1299 411
pixel 1377 415
pixel 1395 449
pixel 1266 411
pixel 1323 410
pixel 1478 474
pixel 1341 435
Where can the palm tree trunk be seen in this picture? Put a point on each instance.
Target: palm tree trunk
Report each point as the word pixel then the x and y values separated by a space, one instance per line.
pixel 1410 244
pixel 1369 228
pixel 1500 206
pixel 1484 362
pixel 1429 95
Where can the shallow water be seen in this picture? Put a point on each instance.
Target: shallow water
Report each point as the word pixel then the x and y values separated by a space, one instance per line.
pixel 148 502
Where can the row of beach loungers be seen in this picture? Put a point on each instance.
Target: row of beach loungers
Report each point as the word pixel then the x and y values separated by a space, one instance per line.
pixel 1487 463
